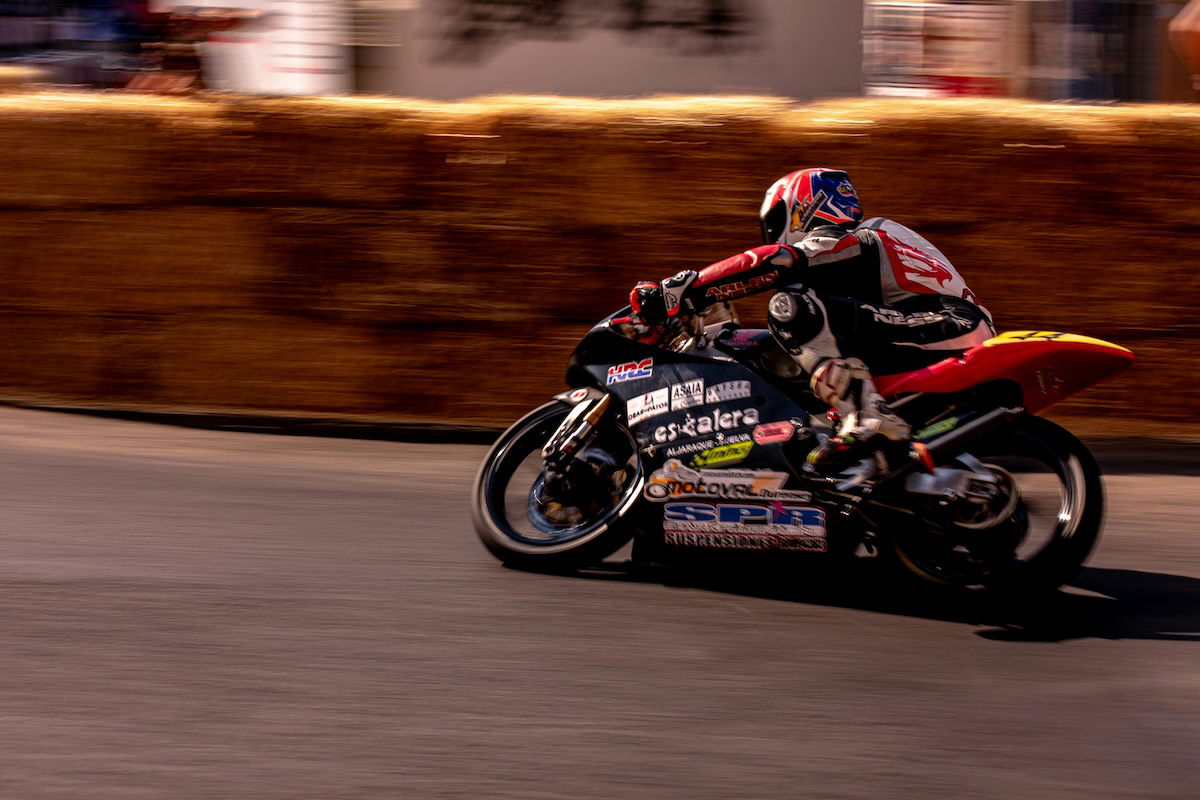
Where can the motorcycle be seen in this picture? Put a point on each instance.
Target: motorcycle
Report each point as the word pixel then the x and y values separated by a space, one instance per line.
pixel 697 444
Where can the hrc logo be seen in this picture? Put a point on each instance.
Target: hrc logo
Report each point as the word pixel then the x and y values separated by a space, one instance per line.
pixel 633 371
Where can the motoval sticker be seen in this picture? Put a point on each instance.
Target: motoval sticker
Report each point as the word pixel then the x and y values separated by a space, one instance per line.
pixel 675 480
pixel 773 432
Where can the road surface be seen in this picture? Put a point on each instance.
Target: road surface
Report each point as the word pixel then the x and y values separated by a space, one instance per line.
pixel 198 614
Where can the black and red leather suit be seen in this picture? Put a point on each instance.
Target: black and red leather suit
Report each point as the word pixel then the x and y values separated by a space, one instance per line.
pixel 878 292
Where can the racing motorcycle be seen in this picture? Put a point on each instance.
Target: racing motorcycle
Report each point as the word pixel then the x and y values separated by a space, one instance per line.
pixel 697 445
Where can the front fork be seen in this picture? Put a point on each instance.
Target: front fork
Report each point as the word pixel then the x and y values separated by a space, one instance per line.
pixel 575 432
pixel 568 478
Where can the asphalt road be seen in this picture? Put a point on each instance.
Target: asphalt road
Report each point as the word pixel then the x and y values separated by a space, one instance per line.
pixel 196 614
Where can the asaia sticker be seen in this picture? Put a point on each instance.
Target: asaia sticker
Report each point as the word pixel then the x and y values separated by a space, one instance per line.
pixel 773 432
pixel 729 390
pixel 687 395
pixel 716 420
pixel 633 371
pixel 647 405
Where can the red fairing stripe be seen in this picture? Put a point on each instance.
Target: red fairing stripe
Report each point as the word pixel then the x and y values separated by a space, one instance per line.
pixel 735 265
pixel 1047 371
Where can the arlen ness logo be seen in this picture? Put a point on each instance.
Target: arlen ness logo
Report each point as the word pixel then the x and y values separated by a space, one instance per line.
pixel 742 288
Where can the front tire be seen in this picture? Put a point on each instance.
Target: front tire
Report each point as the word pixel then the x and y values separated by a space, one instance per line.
pixel 515 524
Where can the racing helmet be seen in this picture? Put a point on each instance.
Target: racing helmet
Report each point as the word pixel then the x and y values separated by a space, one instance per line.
pixel 807 199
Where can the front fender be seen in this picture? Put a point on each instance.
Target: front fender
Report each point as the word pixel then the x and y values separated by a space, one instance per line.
pixel 574 397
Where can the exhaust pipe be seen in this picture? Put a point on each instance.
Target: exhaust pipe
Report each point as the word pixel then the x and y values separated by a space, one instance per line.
pixel 953 441
pixel 925 455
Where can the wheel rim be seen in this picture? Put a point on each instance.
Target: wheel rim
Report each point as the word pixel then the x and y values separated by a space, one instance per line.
pixel 516 475
pixel 1048 498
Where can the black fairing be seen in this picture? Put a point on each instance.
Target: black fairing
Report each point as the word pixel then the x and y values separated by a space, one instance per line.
pixel 684 433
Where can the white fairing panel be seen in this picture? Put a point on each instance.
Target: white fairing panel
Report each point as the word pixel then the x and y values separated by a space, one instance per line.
pixel 914 265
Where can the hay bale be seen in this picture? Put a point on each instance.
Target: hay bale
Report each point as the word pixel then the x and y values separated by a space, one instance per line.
pixel 361 255
pixel 19 77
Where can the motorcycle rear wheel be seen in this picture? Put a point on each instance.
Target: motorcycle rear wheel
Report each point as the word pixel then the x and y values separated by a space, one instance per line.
pixel 515 524
pixel 1038 542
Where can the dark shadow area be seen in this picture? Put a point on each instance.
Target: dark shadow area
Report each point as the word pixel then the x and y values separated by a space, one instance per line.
pixel 1133 456
pixel 1114 604
pixel 1134 605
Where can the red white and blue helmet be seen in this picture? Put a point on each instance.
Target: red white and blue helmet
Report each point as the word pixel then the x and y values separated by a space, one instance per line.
pixel 807 199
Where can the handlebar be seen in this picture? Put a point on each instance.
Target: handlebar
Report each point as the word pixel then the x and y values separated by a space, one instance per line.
pixel 684 331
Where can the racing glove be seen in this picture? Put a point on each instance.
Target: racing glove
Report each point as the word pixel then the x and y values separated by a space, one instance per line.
pixel 655 304
pixel 646 300
pixel 676 298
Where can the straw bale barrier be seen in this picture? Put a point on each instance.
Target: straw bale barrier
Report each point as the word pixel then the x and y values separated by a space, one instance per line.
pixel 419 260
pixel 19 78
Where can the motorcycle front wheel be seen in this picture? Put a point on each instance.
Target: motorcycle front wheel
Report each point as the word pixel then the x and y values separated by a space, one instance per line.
pixel 528 519
pixel 1037 532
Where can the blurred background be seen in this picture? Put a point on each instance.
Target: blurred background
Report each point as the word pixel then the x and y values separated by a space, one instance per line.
pixel 1099 50
pixel 266 206
pixel 401 215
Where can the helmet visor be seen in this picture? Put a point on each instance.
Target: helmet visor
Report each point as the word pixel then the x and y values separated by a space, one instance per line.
pixel 774 222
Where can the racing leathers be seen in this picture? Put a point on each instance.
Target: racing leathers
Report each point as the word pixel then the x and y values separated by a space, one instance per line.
pixel 850 302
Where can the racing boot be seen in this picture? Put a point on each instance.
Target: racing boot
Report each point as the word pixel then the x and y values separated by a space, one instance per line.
pixel 867 425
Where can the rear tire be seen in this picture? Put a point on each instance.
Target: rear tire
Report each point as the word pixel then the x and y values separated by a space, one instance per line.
pixel 513 526
pixel 1035 545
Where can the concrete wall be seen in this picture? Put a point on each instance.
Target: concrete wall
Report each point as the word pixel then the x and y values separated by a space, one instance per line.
pixel 795 48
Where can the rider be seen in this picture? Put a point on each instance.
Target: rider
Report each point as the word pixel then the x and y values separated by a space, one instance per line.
pixel 853 298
